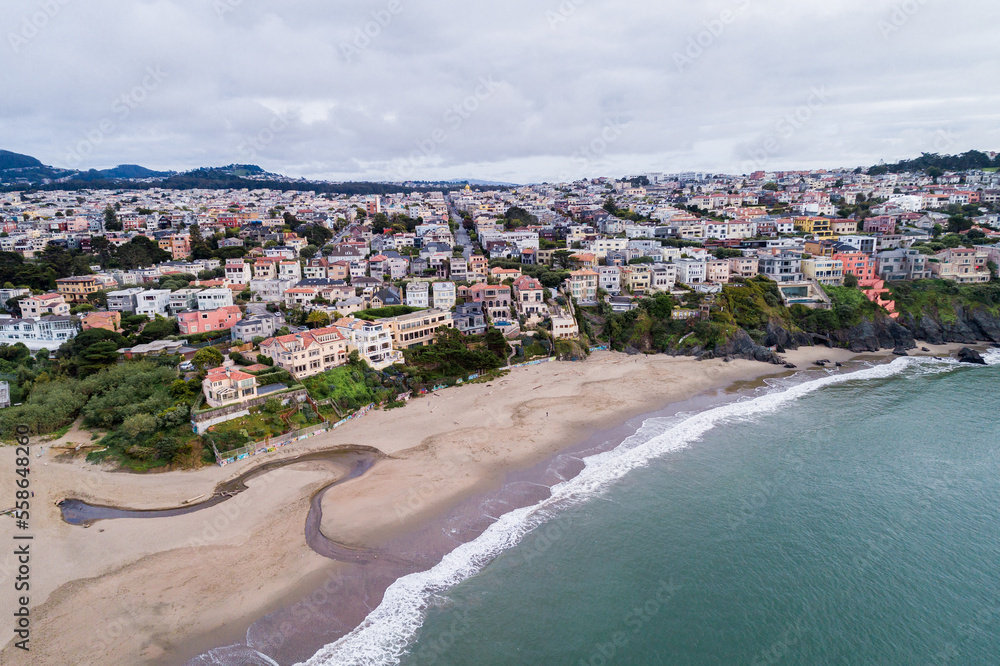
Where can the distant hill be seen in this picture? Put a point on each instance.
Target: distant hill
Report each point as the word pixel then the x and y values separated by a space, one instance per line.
pixel 972 159
pixel 9 160
pixel 21 172
pixel 129 171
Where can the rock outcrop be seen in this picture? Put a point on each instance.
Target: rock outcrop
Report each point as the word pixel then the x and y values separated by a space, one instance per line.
pixel 966 355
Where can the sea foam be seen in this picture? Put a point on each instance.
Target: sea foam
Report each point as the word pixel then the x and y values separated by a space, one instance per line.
pixel 386 633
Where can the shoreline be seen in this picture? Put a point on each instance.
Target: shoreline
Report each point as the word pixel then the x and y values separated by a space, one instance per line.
pixel 163 590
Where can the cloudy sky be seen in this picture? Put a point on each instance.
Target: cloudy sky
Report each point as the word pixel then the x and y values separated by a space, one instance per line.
pixel 515 91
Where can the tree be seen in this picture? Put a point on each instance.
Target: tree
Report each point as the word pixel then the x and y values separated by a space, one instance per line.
pixel 206 358
pixel 111 222
pixel 318 319
pixel 158 329
pixel 96 357
pixel 265 360
pixel 851 280
pixel 309 251
pixel 138 426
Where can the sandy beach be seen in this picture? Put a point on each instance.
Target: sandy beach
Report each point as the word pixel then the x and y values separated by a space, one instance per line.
pixel 161 590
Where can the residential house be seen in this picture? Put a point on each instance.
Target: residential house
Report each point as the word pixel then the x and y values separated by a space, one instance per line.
pixel 744 267
pixel 109 321
pixel 717 271
pixel 636 279
pixel 257 326
pixel 372 340
pixel 153 302
pixel 384 298
pixel 961 265
pixel 308 353
pixel 610 279
pixel 691 271
pixel 182 300
pixel 228 385
pixel 902 264
pixel 564 327
pixel 205 321
pixel 529 294
pixel 495 298
pixel 77 289
pixel 418 295
pixel 418 328
pixel 238 271
pixel 858 264
pixel 46 304
pixel 782 267
pixel 213 299
pixel 37 334
pixel 289 270
pixel 444 295
pixel 300 297
pixel 469 319
pixel 125 300
pixel 270 291
pixel 826 271
pixel 662 278
pixel 582 286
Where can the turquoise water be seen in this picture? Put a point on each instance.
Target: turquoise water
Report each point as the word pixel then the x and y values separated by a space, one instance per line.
pixel 836 521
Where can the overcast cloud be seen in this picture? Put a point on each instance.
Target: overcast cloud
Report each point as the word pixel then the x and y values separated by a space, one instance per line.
pixel 519 91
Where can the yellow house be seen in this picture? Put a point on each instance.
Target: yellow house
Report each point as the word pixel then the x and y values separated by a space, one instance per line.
pixel 818 226
pixel 76 289
pixel 636 278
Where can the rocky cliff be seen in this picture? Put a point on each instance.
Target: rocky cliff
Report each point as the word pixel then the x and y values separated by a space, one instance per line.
pixel 967 326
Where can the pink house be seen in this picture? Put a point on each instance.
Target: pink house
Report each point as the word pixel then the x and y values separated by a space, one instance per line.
pixel 209 320
pixel 858 264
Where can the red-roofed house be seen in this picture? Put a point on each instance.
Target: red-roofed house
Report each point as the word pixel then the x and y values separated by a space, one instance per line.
pixel 46 304
pixel 308 353
pixel 225 386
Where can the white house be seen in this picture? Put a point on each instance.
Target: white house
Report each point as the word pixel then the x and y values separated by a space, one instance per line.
pixel 153 302
pixel 213 299
pixel 444 295
pixel 418 294
pixel 37 334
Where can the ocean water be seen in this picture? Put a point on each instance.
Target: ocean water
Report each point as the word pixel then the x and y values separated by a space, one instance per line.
pixel 852 518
